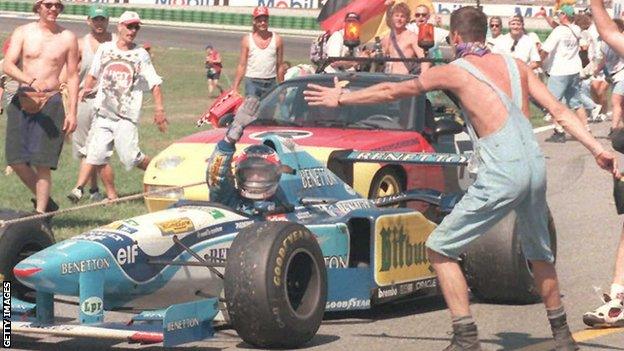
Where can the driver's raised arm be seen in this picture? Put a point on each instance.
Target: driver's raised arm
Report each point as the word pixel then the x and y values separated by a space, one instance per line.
pixel 219 177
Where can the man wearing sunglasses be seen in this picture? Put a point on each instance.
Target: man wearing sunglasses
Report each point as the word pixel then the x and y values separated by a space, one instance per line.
pixel 422 14
pixel 37 121
pixel 123 71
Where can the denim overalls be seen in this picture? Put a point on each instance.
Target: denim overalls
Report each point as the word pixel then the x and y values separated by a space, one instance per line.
pixel 511 176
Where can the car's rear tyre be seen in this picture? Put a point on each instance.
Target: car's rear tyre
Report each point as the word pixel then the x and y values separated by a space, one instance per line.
pixel 385 183
pixel 496 268
pixel 18 241
pixel 275 285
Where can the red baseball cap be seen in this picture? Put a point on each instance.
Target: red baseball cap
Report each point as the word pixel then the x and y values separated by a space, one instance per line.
pixel 260 11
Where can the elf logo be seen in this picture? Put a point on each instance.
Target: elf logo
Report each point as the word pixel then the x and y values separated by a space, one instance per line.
pixel 127 254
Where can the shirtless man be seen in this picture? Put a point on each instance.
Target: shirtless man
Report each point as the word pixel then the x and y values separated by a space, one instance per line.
pixel 87 46
pixel 261 57
pixel 37 121
pixel 407 42
pixel 494 91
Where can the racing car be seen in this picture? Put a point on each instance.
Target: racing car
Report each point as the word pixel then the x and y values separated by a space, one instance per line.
pixel 414 124
pixel 318 247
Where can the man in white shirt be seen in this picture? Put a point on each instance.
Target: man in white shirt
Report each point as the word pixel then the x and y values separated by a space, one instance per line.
pixel 519 45
pixel 496 30
pixel 123 70
pixel 614 64
pixel 561 48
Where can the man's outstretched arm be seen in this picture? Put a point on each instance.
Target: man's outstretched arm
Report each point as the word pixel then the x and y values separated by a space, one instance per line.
pixel 568 120
pixel 607 29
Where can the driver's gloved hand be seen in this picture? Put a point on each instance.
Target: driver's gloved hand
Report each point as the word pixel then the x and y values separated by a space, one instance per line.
pixel 246 114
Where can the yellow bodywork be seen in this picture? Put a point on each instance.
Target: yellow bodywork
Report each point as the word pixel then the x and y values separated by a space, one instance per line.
pixel 192 170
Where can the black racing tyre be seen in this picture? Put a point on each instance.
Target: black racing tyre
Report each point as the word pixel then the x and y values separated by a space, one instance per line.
pixel 18 241
pixel 275 285
pixel 386 182
pixel 495 267
pixel 225 121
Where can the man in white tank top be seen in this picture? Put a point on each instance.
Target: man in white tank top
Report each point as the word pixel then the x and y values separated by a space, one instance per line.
pixel 97 20
pixel 262 54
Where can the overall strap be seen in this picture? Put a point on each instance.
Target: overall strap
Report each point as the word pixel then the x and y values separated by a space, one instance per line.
pixel 470 68
pixel 514 80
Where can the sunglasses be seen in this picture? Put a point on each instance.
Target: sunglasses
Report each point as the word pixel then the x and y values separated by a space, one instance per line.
pixel 134 26
pixel 417 15
pixel 495 25
pixel 56 5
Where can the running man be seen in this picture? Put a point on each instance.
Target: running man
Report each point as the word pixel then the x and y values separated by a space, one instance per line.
pixel 491 89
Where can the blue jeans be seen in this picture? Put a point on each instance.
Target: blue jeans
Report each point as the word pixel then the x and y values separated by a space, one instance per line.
pixel 585 95
pixel 259 87
pixel 566 87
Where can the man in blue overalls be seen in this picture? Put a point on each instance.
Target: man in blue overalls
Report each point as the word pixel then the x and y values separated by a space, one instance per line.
pixel 493 90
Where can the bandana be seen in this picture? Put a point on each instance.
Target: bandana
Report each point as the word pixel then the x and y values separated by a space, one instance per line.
pixel 471 48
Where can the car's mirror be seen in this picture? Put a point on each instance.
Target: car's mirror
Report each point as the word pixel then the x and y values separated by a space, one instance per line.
pixel 447 126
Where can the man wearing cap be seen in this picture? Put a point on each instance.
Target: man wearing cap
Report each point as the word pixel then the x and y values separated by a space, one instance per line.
pixel 262 53
pixel 560 52
pixel 122 70
pixel 97 20
pixel 37 121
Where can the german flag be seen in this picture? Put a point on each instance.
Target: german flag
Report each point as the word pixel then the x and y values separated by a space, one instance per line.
pixel 372 15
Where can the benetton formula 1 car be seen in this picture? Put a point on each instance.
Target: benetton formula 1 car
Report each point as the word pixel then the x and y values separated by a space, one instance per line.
pixel 319 246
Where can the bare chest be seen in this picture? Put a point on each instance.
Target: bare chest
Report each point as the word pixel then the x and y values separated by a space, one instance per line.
pixel 405 44
pixel 47 47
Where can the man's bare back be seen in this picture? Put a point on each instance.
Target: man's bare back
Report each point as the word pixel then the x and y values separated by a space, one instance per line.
pixel 45 52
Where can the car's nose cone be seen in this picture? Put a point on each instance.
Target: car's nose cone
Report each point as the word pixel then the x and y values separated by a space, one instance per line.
pixel 57 269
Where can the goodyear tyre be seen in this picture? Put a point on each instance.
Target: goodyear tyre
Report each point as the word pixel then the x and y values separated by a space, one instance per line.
pixel 18 241
pixel 275 285
pixel 496 268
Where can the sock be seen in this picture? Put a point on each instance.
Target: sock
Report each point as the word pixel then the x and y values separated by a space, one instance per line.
pixel 560 329
pixel 617 291
pixel 463 320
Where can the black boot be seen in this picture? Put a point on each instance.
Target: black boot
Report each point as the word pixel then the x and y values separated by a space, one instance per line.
pixel 465 338
pixel 51 207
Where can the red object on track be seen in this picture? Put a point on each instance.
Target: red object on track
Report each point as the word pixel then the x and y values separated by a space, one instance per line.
pixel 227 102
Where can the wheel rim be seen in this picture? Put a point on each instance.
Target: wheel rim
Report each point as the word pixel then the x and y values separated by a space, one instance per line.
pixel 303 283
pixel 388 185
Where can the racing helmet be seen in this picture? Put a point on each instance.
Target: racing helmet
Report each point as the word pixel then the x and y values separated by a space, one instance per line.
pixel 257 170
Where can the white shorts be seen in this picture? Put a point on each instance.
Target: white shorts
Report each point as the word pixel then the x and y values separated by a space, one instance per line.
pixel 121 134
pixel 84 120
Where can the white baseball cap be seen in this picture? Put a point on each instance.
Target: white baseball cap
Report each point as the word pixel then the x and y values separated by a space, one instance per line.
pixel 129 17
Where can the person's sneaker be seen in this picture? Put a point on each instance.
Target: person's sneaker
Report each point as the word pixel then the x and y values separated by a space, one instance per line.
pixel 557 137
pixel 610 314
pixel 75 195
pixel 595 113
pixel 95 195
pixel 547 117
pixel 465 338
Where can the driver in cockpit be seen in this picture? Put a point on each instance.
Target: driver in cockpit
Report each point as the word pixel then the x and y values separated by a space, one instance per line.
pixel 257 170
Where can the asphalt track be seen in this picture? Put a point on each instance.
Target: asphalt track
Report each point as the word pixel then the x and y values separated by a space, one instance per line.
pixel 579 195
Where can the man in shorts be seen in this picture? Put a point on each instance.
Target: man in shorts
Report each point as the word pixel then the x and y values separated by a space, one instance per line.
pixel 97 20
pixel 122 70
pixel 496 107
pixel 36 120
pixel 213 68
